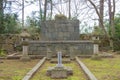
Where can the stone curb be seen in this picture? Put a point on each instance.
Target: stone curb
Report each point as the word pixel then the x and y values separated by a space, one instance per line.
pixel 86 70
pixel 34 69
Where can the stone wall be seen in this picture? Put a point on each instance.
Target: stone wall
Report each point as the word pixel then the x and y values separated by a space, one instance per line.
pixel 12 42
pixel 79 47
pixel 8 42
pixel 60 30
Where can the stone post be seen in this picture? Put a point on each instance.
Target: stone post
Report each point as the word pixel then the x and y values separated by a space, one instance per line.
pixel 96 49
pixel 59 54
pixel 49 53
pixel 72 52
pixel 95 38
pixel 25 44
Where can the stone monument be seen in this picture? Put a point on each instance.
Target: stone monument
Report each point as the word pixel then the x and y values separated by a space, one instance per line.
pixel 25 44
pixel 64 33
pixel 59 71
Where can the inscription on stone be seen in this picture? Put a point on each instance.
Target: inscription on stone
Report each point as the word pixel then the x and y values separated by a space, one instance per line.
pixel 60 30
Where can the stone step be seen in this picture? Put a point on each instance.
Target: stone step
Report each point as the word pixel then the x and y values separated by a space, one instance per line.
pixel 64 60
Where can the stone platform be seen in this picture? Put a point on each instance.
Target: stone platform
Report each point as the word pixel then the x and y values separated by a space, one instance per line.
pixel 69 48
pixel 59 72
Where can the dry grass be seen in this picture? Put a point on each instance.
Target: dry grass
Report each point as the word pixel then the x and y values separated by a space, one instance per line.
pixel 15 69
pixel 105 69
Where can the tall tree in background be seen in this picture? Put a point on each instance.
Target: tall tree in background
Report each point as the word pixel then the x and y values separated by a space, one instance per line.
pixel 45 10
pixel 100 17
pixel 23 14
pixel 51 10
pixel 69 9
pixel 1 16
pixel 111 14
pixel 111 6
pixel 101 9
pixel 40 10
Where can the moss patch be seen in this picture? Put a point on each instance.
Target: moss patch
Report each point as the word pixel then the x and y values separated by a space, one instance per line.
pixel 105 69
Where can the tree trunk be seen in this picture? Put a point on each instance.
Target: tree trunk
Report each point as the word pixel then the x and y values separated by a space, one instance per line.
pixel 51 9
pixel 45 10
pixel 40 10
pixel 1 16
pixel 69 9
pixel 23 14
pixel 111 6
pixel 100 19
pixel 101 12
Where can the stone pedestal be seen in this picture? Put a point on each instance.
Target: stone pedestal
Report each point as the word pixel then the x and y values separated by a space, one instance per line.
pixel 72 53
pixel 96 49
pixel 95 38
pixel 25 56
pixel 59 72
pixel 49 54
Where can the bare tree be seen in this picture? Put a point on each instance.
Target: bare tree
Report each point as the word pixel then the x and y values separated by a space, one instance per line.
pixel 45 10
pixel 51 11
pixel 69 9
pixel 40 9
pixel 111 10
pixel 100 18
pixel 23 13
pixel 101 9
pixel 111 6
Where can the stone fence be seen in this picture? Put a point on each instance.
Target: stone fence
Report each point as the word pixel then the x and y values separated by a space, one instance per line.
pixel 81 47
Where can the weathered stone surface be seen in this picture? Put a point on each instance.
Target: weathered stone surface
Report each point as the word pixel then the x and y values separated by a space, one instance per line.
pixel 25 58
pixel 60 30
pixel 59 71
pixel 49 53
pixel 80 47
pixel 64 60
pixel 86 70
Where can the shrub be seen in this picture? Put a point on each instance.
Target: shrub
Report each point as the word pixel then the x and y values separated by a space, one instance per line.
pixel 60 17
pixel 2 53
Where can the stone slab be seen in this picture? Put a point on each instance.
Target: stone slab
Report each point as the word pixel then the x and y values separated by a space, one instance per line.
pixel 86 70
pixel 34 69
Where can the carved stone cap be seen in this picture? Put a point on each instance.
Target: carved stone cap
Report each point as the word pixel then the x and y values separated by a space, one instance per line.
pixel 25 34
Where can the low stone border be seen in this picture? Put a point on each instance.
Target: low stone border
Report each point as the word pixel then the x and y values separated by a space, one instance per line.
pixel 12 54
pixel 2 57
pixel 86 70
pixel 32 72
pixel 31 56
pixel 102 55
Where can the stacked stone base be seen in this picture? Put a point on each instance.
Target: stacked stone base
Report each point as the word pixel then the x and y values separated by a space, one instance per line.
pixel 25 58
pixel 68 48
pixel 59 72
